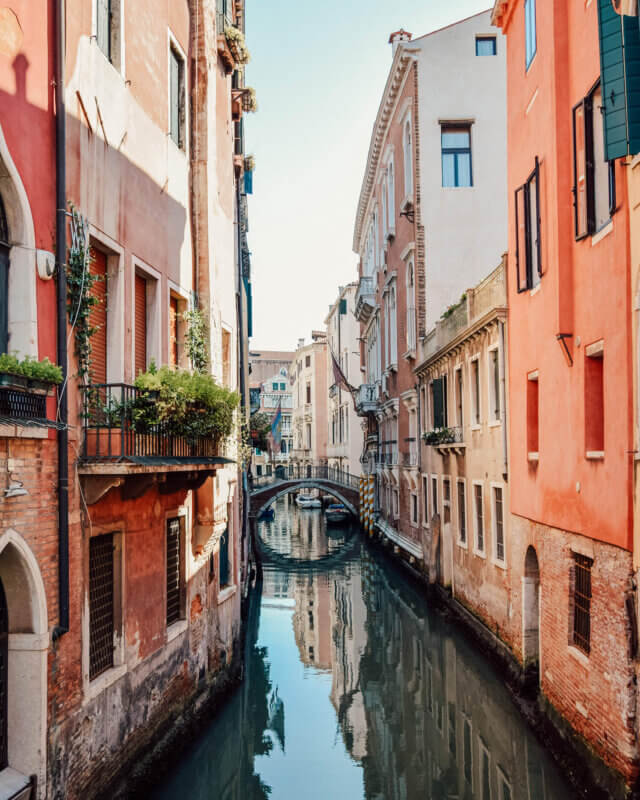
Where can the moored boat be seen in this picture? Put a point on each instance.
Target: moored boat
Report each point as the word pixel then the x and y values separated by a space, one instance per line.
pixel 337 512
pixel 308 501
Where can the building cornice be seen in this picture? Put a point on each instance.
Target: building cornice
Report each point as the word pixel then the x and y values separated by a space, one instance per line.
pixel 501 12
pixel 402 61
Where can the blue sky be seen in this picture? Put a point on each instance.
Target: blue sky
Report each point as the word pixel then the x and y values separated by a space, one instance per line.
pixel 319 70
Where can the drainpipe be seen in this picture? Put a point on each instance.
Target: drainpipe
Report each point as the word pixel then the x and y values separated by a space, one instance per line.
pixel 503 404
pixel 61 285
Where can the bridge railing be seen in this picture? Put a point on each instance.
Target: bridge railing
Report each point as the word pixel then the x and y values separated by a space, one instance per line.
pixel 297 472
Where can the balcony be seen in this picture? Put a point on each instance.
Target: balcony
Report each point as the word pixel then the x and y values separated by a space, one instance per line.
pixel 389 454
pixel 365 298
pixel 446 440
pixel 410 457
pixel 120 448
pixel 367 398
pixel 24 407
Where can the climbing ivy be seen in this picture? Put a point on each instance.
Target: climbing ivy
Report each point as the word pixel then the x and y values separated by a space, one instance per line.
pixel 196 340
pixel 80 299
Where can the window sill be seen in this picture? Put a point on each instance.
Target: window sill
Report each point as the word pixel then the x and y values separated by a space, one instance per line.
pixel 98 685
pixel 409 355
pixel 595 455
pixel 500 564
pixel 580 657
pixel 176 629
pixel 534 457
pixel 476 427
pixel 462 545
pixel 535 290
pixel 407 203
pixel 480 553
pixel 495 423
pixel 226 593
pixel 599 235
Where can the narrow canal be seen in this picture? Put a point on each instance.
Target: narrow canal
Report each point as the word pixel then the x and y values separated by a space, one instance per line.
pixel 355 689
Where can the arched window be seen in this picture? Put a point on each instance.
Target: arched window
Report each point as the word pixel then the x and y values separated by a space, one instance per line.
pixel 385 218
pixel 393 325
pixel 411 308
pixel 408 160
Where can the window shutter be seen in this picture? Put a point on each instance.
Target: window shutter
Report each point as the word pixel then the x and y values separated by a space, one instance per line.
pixel 140 325
pixel 438 403
pixel 174 83
pixel 173 331
pixel 103 27
pixel 521 240
pixel 580 199
pixel 619 56
pixel 98 318
pixel 538 243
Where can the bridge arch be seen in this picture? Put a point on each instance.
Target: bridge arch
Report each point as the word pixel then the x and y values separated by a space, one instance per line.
pixel 291 486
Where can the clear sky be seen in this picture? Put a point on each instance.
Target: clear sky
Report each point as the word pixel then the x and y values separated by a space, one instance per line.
pixel 319 69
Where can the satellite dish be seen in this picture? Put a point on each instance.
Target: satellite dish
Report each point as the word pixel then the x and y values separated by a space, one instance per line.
pixel 627 8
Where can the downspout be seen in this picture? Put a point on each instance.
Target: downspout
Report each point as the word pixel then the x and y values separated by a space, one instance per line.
pixel 61 285
pixel 503 404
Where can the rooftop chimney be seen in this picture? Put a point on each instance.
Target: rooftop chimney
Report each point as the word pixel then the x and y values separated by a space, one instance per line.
pixel 399 37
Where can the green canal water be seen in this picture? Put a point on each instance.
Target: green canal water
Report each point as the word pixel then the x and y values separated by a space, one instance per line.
pixel 355 689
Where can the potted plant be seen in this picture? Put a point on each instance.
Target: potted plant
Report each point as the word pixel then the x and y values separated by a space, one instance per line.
pixel 39 376
pixel 237 45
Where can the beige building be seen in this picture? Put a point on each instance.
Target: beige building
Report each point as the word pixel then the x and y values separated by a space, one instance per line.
pixel 463 465
pixel 275 391
pixel 344 434
pixel 309 388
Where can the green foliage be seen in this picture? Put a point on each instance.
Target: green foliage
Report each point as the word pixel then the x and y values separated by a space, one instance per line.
pixel 80 299
pixel 190 405
pixel 31 368
pixel 455 306
pixel 260 427
pixel 196 339
pixel 237 44
pixel 443 436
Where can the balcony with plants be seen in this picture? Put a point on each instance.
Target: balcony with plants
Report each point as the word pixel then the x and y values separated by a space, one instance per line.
pixel 445 439
pixel 232 47
pixel 25 385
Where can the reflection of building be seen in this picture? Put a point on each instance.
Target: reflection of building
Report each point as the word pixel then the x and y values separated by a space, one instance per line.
pixel 309 375
pixel 275 391
pixel 312 619
pixel 345 437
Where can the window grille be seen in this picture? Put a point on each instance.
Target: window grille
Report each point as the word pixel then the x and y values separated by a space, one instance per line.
pixel 499 524
pixel 582 603
pixel 17 404
pixel 479 518
pixel 173 570
pixel 462 513
pixel 101 622
pixel 446 500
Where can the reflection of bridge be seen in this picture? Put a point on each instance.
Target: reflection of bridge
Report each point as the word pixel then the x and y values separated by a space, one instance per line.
pixel 342 485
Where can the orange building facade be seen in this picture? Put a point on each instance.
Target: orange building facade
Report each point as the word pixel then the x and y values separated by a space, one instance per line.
pixel 570 378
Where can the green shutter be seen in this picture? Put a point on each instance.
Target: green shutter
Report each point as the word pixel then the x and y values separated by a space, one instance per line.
pixel 438 403
pixel 620 77
pixel 343 306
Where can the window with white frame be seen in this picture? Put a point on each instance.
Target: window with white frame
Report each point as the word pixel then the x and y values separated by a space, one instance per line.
pixel 414 508
pixel 459 395
pixel 385 218
pixel 478 510
pixel 407 144
pixel 425 498
pixel 485 776
pixel 462 512
pixel 498 523
pixel 391 199
pixel 411 308
pixel 434 494
pixel 177 97
pixel 109 30
pixel 475 391
pixel 446 500
pixel 391 325
pixel 494 385
pixel 467 752
pixel 396 503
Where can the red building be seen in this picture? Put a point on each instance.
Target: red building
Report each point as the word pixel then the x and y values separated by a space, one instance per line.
pixel 570 368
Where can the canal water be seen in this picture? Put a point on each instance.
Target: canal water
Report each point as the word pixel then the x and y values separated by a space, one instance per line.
pixel 355 689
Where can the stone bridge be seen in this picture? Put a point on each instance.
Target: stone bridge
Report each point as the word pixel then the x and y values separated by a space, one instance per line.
pixel 342 485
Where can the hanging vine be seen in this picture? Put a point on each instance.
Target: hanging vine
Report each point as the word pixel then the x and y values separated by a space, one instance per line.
pixel 196 340
pixel 80 299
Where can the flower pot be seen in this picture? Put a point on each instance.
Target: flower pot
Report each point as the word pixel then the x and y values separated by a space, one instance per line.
pixel 104 443
pixel 13 381
pixel 40 387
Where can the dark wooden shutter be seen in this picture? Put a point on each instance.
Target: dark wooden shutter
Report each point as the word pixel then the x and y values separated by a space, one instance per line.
pixel 101 625
pixel 580 200
pixel 174 88
pixel 224 558
pixel 173 331
pixel 103 30
pixel 619 72
pixel 437 390
pixel 98 318
pixel 521 239
pixel 140 325
pixel 536 231
pixel 174 582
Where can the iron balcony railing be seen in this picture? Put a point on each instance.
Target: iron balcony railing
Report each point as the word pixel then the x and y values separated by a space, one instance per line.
pixel 114 428
pixel 443 436
pixel 311 472
pixel 367 398
pixel 365 298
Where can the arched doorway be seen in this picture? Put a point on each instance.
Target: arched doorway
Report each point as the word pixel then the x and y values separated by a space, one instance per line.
pixel 531 611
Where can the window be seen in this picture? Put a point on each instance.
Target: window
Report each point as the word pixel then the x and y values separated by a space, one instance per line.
pixel 308 435
pixel 456 156
pixel 594 399
pixel 530 30
pixel 140 325
pixel 439 402
pixel 494 385
pixel 308 393
pixel 283 387
pixel 475 391
pixel 446 500
pixel 479 517
pixel 462 512
pixel 459 389
pixel 175 570
pixel 594 179
pixel 434 495
pixel 467 752
pixel 407 147
pixel 226 358
pixel 396 503
pixel 425 498
pixel 274 387
pixel 392 199
pixel 414 509
pixel 504 786
pixel 101 604
pixel 528 251
pixel 486 46
pixel 452 729
pixel 411 308
pixel 177 113
pixel 486 774
pixel 532 414
pixel 582 602
pixel 498 522
pixel 224 569
pixel 307 361
pixel 174 330
pixel 108 30
pixel 98 317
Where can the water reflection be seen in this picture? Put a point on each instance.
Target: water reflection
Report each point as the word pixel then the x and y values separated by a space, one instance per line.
pixel 354 689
